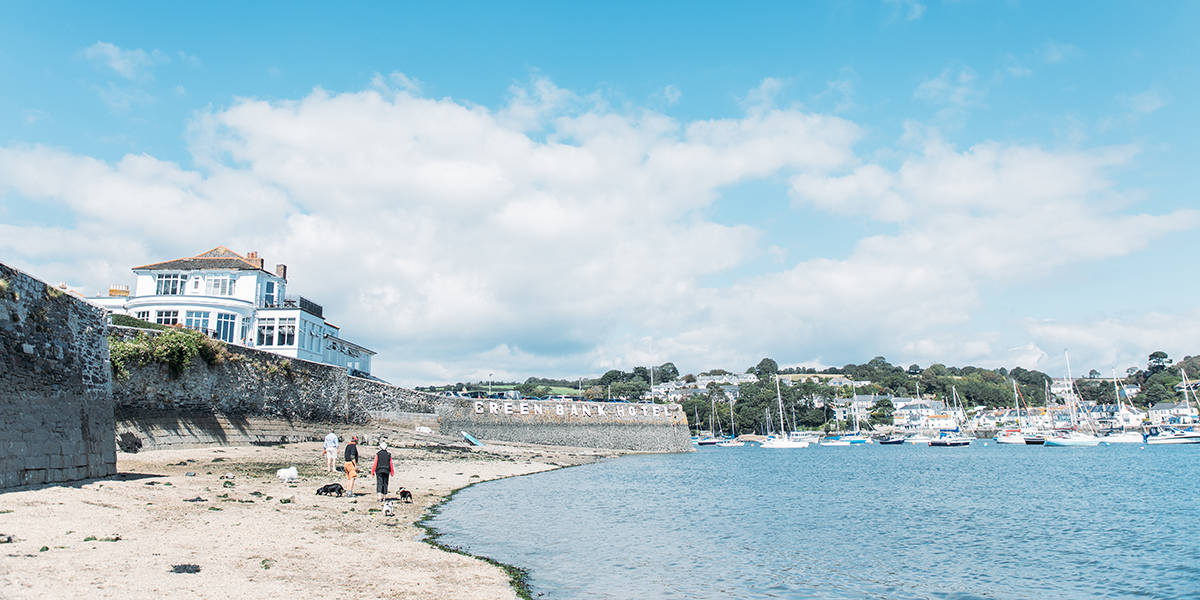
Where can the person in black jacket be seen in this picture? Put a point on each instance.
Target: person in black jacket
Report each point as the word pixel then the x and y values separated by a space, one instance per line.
pixel 382 468
pixel 351 466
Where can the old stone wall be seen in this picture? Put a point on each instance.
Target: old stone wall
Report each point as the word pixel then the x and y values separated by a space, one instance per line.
pixel 615 425
pixel 56 409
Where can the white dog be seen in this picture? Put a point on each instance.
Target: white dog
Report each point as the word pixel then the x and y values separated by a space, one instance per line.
pixel 288 475
pixel 387 509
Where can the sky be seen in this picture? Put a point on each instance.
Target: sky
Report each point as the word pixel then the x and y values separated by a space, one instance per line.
pixel 523 189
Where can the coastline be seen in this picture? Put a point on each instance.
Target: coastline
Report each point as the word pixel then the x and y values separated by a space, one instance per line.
pixel 253 535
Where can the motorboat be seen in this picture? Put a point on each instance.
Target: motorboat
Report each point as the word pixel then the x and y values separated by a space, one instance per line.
pixel 893 440
pixel 1123 437
pixel 731 443
pixel 1010 436
pixel 918 440
pixel 951 439
pixel 1072 438
pixel 1171 435
pixel 782 442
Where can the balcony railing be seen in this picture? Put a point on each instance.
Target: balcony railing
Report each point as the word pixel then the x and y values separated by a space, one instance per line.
pixel 299 302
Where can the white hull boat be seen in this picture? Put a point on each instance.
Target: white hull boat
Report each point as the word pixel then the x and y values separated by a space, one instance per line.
pixel 1072 439
pixel 1123 437
pixel 731 444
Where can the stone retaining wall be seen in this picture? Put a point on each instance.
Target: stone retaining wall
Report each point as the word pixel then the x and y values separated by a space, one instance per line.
pixel 615 425
pixel 161 431
pixel 56 410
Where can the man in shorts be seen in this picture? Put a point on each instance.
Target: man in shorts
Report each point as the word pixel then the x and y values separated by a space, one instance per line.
pixel 351 465
pixel 331 443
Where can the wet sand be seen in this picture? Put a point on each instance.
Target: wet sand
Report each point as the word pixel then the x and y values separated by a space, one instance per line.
pixel 253 536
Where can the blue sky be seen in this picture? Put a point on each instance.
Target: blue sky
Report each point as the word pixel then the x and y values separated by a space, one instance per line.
pixel 559 188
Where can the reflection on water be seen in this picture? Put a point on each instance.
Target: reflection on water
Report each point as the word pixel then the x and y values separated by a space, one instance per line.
pixel 850 522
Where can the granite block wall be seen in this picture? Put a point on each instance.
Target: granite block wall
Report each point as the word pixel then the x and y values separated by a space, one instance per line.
pixel 56 409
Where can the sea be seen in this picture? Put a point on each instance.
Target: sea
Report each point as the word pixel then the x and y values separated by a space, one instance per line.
pixel 983 521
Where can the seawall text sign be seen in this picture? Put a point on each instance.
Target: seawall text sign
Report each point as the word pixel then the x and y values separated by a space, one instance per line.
pixel 575 409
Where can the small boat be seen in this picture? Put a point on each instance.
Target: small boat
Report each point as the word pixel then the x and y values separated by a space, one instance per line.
pixel 731 443
pixel 892 441
pixel 1072 438
pixel 951 441
pixel 1035 439
pixel 1123 437
pixel 1170 435
pixel 918 440
pixel 708 442
pixel 1010 436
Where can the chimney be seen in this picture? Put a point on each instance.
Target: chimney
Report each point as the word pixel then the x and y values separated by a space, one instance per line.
pixel 281 271
pixel 252 256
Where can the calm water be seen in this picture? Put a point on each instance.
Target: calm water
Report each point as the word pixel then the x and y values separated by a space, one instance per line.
pixel 857 522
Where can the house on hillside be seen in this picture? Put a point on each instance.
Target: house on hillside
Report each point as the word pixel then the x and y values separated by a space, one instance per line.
pixel 234 298
pixel 1173 413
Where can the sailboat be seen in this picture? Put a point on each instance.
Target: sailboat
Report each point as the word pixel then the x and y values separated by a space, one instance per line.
pixel 1072 437
pixel 1013 436
pixel 1124 436
pixel 1174 435
pixel 732 442
pixel 952 437
pixel 783 441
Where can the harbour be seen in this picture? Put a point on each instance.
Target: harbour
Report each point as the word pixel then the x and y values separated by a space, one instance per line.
pixel 901 521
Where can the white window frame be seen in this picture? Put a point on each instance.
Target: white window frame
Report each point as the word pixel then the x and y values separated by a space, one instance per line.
pixel 266 332
pixel 225 324
pixel 196 319
pixel 166 317
pixel 170 284
pixel 285 332
pixel 143 315
pixel 221 285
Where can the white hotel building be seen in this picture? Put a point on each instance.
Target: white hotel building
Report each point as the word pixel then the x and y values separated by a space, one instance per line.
pixel 234 298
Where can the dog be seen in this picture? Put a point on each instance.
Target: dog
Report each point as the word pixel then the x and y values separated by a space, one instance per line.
pixel 288 475
pixel 331 489
pixel 387 509
pixel 405 495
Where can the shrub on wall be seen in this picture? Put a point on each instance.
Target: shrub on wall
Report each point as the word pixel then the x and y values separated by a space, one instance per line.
pixel 128 321
pixel 175 348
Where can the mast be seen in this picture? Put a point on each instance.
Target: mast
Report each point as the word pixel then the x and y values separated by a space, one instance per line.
pixel 779 397
pixel 1017 404
pixel 732 421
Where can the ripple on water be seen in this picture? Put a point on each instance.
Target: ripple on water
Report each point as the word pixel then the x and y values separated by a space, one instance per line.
pixel 879 522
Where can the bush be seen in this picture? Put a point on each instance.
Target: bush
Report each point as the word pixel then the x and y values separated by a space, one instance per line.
pixel 128 321
pixel 175 348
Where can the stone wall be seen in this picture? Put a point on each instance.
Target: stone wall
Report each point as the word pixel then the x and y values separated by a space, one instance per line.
pixel 56 410
pixel 615 425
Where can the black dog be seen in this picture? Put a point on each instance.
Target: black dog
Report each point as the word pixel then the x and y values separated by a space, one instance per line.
pixel 405 495
pixel 331 489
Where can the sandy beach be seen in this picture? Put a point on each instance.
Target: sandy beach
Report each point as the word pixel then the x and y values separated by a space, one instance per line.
pixel 252 535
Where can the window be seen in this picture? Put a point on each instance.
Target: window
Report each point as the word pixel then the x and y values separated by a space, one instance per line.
pixel 245 337
pixel 220 285
pixel 269 294
pixel 287 332
pixel 170 284
pixel 143 315
pixel 303 334
pixel 197 320
pixel 266 332
pixel 225 326
pixel 167 317
pixel 195 284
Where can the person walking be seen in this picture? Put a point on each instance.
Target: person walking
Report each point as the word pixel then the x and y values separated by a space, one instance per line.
pixel 331 444
pixel 382 468
pixel 351 465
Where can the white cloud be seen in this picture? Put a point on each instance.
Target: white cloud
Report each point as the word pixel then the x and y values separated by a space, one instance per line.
pixel 671 95
pixel 1145 102
pixel 1116 342
pixel 456 243
pixel 909 10
pixel 130 64
pixel 955 88
pixel 1053 52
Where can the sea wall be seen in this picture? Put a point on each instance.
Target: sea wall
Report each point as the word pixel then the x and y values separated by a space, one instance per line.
pixel 616 425
pixel 56 407
pixel 254 396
